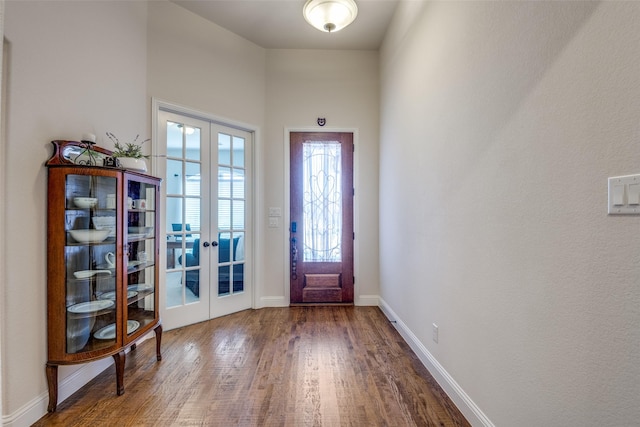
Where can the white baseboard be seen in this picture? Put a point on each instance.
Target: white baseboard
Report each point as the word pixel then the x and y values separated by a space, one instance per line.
pixel 37 408
pixel 368 300
pixel 464 403
pixel 273 302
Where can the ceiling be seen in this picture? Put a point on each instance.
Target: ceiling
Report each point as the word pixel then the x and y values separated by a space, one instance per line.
pixel 279 24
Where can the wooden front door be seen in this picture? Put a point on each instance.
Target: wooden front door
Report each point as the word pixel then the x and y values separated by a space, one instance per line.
pixel 321 229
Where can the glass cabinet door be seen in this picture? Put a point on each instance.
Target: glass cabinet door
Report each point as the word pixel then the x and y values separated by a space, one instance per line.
pixel 140 251
pixel 90 262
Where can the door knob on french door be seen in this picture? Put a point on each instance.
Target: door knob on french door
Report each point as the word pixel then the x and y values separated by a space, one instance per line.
pixel 214 243
pixel 205 244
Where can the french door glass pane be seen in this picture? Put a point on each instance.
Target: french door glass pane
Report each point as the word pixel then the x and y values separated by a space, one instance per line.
pixel 174 139
pixel 224 182
pixel 238 214
pixel 322 201
pixel 238 250
pixel 224 214
pixel 174 288
pixel 173 214
pixel 224 149
pixel 223 280
pixel 238 183
pixel 192 175
pixel 238 151
pixel 192 143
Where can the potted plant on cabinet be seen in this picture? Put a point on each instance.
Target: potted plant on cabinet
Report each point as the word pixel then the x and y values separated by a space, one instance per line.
pixel 129 154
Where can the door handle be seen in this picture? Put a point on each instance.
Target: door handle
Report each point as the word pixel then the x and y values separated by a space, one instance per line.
pixel 294 259
pixel 205 244
pixel 214 243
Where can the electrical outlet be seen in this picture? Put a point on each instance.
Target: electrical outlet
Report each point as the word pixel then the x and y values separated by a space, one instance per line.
pixel 434 332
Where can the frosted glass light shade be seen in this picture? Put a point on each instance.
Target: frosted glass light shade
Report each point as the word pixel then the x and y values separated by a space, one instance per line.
pixel 330 15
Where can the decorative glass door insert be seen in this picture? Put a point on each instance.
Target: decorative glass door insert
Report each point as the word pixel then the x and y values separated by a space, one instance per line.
pixel 322 203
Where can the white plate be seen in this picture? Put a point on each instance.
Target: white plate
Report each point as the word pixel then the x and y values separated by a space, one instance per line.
pixel 109 331
pixel 84 274
pixel 91 306
pixel 112 295
pixel 136 236
pixel 134 263
pixel 140 287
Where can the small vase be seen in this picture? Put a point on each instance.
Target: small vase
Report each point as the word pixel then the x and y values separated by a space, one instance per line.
pixel 133 164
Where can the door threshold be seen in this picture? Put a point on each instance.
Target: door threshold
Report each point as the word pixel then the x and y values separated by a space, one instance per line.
pixel 321 304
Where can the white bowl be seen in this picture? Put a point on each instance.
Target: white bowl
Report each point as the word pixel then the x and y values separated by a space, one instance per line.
pixel 85 202
pixel 78 333
pixel 105 223
pixel 89 236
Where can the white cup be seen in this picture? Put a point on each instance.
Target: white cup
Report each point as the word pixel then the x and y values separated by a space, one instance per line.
pixel 110 257
pixel 140 204
pixel 111 201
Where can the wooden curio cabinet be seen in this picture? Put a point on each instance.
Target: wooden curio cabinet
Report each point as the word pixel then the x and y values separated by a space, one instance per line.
pixel 102 250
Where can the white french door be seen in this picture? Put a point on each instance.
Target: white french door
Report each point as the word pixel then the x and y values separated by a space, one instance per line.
pixel 205 207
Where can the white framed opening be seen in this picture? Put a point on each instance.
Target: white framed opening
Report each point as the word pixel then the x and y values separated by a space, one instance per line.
pixel 207 242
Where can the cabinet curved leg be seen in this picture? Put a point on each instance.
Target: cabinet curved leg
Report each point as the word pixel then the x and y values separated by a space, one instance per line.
pixel 119 359
pixel 52 382
pixel 158 331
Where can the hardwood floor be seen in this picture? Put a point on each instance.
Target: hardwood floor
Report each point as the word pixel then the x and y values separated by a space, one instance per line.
pixel 298 366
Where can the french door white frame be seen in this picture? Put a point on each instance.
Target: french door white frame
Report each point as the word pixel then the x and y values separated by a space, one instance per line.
pixel 252 196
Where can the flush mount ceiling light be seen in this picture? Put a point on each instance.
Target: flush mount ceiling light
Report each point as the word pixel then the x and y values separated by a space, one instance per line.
pixel 330 15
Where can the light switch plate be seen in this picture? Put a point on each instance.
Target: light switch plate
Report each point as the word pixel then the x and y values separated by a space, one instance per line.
pixel 275 212
pixel 623 195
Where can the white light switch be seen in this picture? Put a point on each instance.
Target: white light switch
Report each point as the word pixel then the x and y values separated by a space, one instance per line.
pixel 275 212
pixel 618 195
pixel 274 223
pixel 634 194
pixel 624 195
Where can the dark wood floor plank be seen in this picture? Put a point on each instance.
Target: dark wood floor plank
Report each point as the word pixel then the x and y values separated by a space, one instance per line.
pixel 280 367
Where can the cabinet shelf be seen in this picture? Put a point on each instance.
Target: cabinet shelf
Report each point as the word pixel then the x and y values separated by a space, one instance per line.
pixel 102 312
pixel 109 241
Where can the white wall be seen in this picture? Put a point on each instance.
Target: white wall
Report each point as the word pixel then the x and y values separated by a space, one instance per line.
pixel 500 123
pixel 3 183
pixel 74 67
pixel 197 64
pixel 341 86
